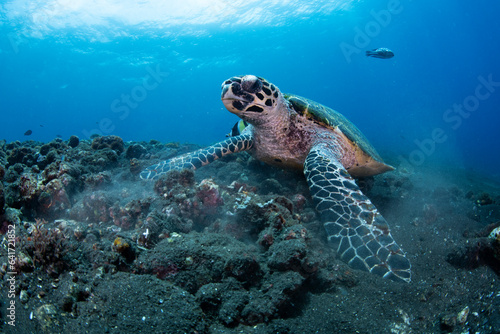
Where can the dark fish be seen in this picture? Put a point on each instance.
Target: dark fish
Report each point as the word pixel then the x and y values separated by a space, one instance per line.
pixel 27 133
pixel 237 128
pixel 383 53
pixel 58 136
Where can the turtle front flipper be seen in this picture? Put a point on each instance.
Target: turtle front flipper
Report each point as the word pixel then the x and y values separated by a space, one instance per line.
pixel 199 158
pixel 354 226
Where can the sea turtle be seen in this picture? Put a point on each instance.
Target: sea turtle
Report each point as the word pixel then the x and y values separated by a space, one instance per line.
pixel 290 131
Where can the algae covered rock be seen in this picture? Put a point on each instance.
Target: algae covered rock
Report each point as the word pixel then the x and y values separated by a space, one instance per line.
pixel 113 142
pixel 135 151
pixel 2 199
pixel 73 141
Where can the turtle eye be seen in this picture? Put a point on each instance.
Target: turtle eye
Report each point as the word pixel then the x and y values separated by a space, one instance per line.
pixel 251 84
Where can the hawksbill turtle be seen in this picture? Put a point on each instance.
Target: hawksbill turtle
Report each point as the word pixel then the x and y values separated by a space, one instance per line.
pixel 290 131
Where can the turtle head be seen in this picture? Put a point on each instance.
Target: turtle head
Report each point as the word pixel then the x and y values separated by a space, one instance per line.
pixel 250 97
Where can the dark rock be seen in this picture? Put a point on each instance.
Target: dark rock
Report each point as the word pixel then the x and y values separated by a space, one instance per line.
pixel 172 145
pixel 113 142
pixel 231 304
pixel 29 187
pixel 67 304
pixel 154 142
pixel 45 149
pixel 24 155
pixel 10 217
pixel 285 202
pixel 271 186
pixel 13 173
pixel 73 141
pixel 448 322
pixel 18 168
pixel 54 198
pixel 2 199
pixel 94 208
pixel 135 166
pixel 475 253
pixel 127 216
pixel 174 180
pixel 12 145
pixel 264 223
pixel 2 172
pixel 101 160
pixel 51 157
pixel 484 199
pixel 276 300
pixel 224 301
pixel 98 180
pixel 135 151
pixel 287 255
pixel 122 247
pixel 199 259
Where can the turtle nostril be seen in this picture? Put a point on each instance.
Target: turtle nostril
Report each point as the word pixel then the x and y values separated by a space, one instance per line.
pixel 251 84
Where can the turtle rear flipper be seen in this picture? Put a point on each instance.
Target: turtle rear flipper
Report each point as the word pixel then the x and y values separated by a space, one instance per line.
pixel 199 158
pixel 354 226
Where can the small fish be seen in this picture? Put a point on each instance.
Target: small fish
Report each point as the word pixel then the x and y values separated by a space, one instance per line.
pixel 58 136
pixel 27 133
pixel 237 128
pixel 383 53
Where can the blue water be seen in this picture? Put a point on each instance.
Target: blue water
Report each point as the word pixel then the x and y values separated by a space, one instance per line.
pixel 153 69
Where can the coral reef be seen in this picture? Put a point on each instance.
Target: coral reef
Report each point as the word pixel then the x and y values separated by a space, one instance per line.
pixel 2 199
pixel 114 143
pixel 236 246
pixel 189 204
pixel 135 151
pixel 73 141
pixel 46 247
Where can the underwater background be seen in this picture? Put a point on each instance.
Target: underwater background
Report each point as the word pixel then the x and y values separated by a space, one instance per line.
pixel 153 69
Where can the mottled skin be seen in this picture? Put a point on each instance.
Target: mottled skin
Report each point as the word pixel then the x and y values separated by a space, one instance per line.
pixel 289 131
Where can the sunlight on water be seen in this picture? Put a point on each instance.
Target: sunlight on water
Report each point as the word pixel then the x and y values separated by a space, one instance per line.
pixel 91 16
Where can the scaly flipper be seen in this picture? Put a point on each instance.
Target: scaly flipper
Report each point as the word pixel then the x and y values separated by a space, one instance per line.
pixel 354 226
pixel 199 158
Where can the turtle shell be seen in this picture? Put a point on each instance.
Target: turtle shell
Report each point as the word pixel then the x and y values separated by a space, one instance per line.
pixel 327 117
